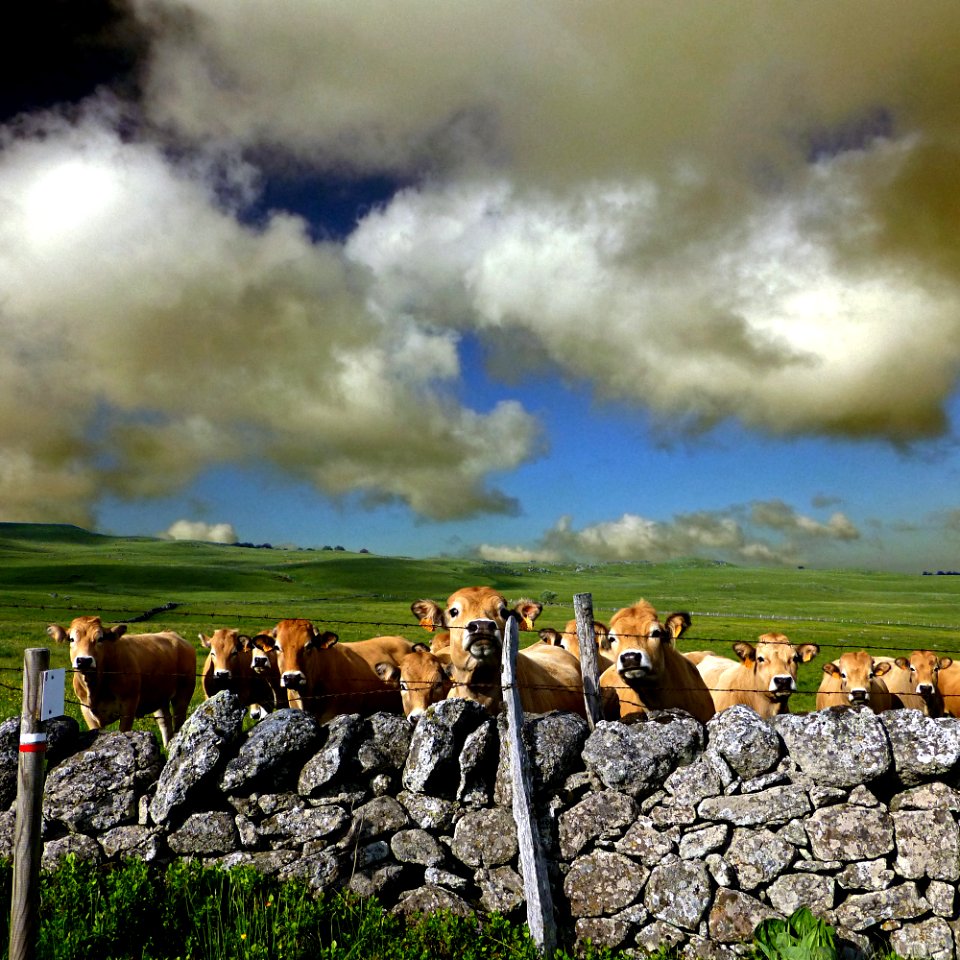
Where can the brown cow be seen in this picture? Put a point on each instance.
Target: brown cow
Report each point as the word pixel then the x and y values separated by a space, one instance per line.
pixel 424 679
pixel 327 678
pixel 764 678
pixel 914 681
pixel 548 677
pixel 570 641
pixel 649 672
pixel 231 666
pixel 948 683
pixel 854 679
pixel 121 676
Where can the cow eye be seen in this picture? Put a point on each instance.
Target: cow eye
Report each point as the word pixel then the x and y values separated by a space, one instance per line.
pixel 403 685
pixel 453 612
pixel 843 676
pixel 761 659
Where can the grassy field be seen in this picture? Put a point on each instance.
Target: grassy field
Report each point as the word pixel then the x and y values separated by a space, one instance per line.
pixel 53 573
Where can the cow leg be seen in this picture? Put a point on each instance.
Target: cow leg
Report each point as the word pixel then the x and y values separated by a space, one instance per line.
pixel 164 722
pixel 93 721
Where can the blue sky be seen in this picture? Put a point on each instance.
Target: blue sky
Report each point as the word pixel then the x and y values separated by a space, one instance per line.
pixel 559 282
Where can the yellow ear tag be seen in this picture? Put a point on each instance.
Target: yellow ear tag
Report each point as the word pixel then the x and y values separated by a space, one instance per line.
pixel 428 624
pixel 528 623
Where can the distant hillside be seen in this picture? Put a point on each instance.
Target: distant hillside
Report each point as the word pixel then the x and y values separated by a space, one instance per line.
pixel 49 533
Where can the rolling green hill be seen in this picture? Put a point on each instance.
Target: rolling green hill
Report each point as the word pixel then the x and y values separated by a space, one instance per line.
pixel 52 573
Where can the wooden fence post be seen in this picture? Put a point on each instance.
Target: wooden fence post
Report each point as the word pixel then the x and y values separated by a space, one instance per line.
pixel 26 840
pixel 536 883
pixel 583 609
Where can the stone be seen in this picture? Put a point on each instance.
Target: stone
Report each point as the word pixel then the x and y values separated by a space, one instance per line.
pixel 273 752
pixel 748 743
pixel 839 748
pixel 694 782
pixel 98 788
pixel 698 843
pixel 928 844
pixel 866 875
pixel 849 833
pixel 335 761
pixel 923 747
pixel 205 834
pixel 303 824
pixel 478 765
pixel 931 939
pixel 384 744
pixel 501 889
pixel 942 897
pixel 430 899
pixel 659 936
pixel 735 916
pixel 602 882
pixel 927 796
pixel 321 871
pixel 679 893
pixel 645 843
pixel 485 838
pixel 772 807
pixel 636 758
pixel 599 815
pixel 788 893
pixel 197 752
pixel 758 856
pixel 865 910
pixel 417 846
pixel 74 844
pixel 132 843
pixel 601 932
pixel 267 862
pixel 432 764
pixel 430 813
pixel 379 817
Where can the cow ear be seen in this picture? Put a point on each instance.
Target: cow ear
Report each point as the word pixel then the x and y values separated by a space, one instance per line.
pixel 807 651
pixel 204 640
pixel 550 636
pixel 903 663
pixel 528 611
pixel 327 639
pixel 747 652
pixel 420 648
pixel 428 613
pixel 245 642
pixel 881 668
pixel 440 642
pixel 603 636
pixel 57 633
pixel 831 670
pixel 387 671
pixel 678 623
pixel 115 633
pixel 448 668
pixel 264 641
pixel 945 662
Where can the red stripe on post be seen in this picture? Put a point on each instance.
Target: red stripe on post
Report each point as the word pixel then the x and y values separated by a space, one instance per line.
pixel 33 748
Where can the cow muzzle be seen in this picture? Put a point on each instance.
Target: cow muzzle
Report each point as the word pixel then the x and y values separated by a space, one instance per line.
pixel 481 639
pixel 859 695
pixel 924 689
pixel 782 685
pixel 222 674
pixel 634 665
pixel 293 680
pixel 84 663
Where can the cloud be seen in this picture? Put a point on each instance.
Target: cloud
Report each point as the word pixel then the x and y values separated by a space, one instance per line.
pixel 149 334
pixel 197 530
pixel 767 532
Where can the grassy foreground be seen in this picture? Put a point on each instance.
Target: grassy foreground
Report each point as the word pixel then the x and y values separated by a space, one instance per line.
pixel 52 573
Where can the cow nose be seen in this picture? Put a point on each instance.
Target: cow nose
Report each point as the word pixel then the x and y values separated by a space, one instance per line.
pixel 783 682
pixel 293 680
pixel 476 627
pixel 83 663
pixel 413 717
pixel 859 695
pixel 222 674
pixel 924 689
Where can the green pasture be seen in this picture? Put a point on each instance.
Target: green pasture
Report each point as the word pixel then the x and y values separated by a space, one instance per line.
pixel 53 573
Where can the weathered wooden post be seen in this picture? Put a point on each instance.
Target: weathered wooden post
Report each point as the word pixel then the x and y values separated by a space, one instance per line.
pixel 583 610
pixel 536 883
pixel 26 840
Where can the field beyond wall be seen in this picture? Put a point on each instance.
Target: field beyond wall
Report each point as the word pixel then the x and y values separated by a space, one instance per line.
pixel 53 573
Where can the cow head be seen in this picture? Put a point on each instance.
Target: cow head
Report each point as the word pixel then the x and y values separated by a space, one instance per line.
pixel 924 667
pixel 86 636
pixel 296 643
pixel 424 680
pixel 475 618
pixel 774 662
pixel 570 640
pixel 228 649
pixel 855 671
pixel 639 639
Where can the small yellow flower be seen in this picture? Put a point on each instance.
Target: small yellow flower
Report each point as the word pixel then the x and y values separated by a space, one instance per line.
pixel 243 936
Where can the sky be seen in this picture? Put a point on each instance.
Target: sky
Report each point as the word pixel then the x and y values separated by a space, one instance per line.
pixel 538 282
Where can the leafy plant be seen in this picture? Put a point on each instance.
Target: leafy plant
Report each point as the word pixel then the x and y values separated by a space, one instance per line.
pixel 802 936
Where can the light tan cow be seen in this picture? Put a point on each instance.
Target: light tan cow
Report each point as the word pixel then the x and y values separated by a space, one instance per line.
pixel 854 679
pixel 548 677
pixel 914 681
pixel 948 683
pixel 649 673
pixel 424 679
pixel 570 641
pixel 327 678
pixel 764 678
pixel 231 666
pixel 121 676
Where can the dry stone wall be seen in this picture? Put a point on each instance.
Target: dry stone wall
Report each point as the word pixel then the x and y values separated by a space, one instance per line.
pixel 663 832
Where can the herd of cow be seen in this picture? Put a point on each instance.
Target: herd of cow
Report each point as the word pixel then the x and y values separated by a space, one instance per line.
pixel 119 676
